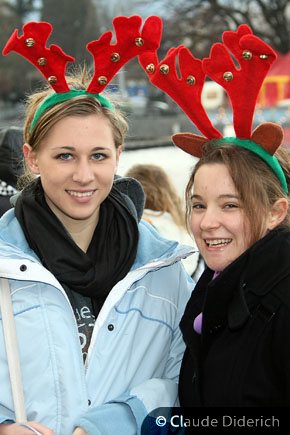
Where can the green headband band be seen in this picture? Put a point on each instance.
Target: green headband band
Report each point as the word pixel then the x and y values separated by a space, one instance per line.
pixel 57 98
pixel 271 161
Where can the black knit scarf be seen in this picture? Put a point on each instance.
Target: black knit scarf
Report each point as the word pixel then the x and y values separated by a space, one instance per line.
pixel 110 254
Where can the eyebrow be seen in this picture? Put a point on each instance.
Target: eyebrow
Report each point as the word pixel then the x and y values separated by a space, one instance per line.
pixel 224 196
pixel 71 148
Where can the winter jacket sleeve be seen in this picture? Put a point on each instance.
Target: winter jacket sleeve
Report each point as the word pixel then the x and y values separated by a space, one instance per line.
pixel 126 413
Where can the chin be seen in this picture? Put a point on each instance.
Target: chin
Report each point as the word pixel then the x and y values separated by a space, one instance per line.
pixel 217 266
pixel 80 217
pixel 77 214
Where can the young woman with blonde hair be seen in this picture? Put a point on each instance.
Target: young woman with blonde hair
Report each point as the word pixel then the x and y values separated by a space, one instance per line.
pixel 87 277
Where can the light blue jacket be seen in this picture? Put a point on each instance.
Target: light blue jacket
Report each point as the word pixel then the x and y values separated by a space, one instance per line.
pixel 132 366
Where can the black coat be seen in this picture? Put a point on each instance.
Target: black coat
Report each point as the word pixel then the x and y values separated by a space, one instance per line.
pixel 242 357
pixel 11 167
pixel 4 204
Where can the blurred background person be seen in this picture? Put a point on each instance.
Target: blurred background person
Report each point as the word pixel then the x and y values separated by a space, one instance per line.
pixel 11 141
pixel 164 210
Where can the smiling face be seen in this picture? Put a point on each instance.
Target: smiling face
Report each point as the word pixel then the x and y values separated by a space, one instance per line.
pixel 218 221
pixel 77 161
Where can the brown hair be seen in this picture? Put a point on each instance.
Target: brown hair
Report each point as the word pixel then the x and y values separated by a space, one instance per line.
pixel 256 184
pixel 83 105
pixel 159 190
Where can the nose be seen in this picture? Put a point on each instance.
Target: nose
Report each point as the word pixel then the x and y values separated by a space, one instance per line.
pixel 209 219
pixel 83 172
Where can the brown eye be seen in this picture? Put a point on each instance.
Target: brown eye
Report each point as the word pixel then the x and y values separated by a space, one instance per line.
pixel 197 206
pixel 231 205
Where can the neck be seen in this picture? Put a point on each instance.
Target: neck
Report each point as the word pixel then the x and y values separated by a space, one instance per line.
pixel 82 234
pixel 80 230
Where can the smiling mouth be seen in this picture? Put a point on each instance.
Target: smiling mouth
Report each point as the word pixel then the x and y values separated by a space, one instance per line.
pixel 217 242
pixel 81 194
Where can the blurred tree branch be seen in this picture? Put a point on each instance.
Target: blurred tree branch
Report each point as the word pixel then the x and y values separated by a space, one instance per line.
pixel 201 22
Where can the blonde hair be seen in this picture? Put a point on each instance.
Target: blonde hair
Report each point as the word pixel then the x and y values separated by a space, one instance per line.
pixel 83 105
pixel 256 184
pixel 160 193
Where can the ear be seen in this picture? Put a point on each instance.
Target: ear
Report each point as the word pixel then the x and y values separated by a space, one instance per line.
pixel 30 158
pixel 277 213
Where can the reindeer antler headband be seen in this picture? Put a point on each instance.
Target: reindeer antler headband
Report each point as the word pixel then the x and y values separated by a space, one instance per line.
pixel 241 84
pixel 108 58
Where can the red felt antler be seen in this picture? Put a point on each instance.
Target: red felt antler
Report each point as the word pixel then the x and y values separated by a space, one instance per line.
pixel 242 84
pixel 131 42
pixel 109 58
pixel 186 90
pixel 50 61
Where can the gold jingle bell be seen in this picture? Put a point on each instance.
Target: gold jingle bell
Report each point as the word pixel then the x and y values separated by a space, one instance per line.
pixel 247 55
pixel 29 42
pixel 115 57
pixel 164 69
pixel 52 80
pixel 42 61
pixel 102 80
pixel 190 80
pixel 139 42
pixel 228 76
pixel 150 68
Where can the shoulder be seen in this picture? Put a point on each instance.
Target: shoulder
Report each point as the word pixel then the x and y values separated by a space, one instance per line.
pixel 162 258
pixel 282 292
pixel 162 288
pixel 280 316
pixel 153 246
pixel 9 225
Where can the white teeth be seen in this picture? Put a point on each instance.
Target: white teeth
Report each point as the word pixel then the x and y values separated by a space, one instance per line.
pixel 80 194
pixel 218 242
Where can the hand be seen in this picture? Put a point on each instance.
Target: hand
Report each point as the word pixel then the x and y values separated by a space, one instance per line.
pixel 78 431
pixel 17 429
